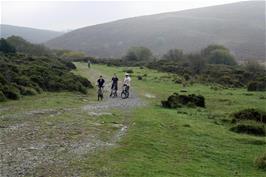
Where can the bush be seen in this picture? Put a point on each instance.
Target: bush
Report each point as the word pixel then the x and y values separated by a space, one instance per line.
pixel 139 77
pixel 130 71
pixel 2 97
pixel 85 82
pixel 176 101
pixel 69 65
pixel 227 80
pixel 27 91
pixel 250 114
pixel 260 161
pixel 136 54
pixel 23 75
pixel 253 129
pixel 6 47
pixel 220 56
pixel 11 92
pixel 256 86
pixel 177 80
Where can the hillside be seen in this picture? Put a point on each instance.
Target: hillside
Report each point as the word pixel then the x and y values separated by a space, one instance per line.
pixel 30 34
pixel 239 26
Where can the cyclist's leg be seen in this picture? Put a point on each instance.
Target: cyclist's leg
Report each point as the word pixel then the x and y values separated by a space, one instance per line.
pixel 111 90
pixel 116 88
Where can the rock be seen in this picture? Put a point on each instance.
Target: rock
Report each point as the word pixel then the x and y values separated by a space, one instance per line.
pixel 149 95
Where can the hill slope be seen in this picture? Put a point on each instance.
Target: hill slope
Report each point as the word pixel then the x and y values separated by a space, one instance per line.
pixel 238 26
pixel 30 34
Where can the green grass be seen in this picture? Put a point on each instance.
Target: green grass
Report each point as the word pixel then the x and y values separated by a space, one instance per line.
pixel 159 142
pixel 187 142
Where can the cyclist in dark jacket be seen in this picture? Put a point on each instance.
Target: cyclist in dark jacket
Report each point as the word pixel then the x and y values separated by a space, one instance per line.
pixel 101 82
pixel 114 84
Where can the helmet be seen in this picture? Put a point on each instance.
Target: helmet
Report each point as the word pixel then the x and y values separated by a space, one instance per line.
pixel 126 74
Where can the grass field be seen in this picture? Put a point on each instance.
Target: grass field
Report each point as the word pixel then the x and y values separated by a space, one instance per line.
pixel 159 142
pixel 184 142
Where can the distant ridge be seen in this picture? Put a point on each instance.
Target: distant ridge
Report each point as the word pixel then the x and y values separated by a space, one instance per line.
pixel 238 26
pixel 30 34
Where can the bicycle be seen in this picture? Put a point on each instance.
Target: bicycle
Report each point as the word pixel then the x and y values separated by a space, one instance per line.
pixel 113 93
pixel 100 93
pixel 125 92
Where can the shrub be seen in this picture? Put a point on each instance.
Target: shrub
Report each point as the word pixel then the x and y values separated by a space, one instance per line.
pixel 250 114
pixel 2 97
pixel 229 81
pixel 82 89
pixel 176 101
pixel 27 91
pixel 139 77
pixel 6 47
pixel 85 82
pixel 256 86
pixel 177 80
pixel 254 129
pixel 220 56
pixel 25 75
pixel 260 161
pixel 11 92
pixel 69 65
pixel 2 79
pixel 130 71
pixel 138 54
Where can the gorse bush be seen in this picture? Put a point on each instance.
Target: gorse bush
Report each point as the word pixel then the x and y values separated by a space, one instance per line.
pixel 257 86
pixel 23 46
pixel 249 121
pixel 176 101
pixel 250 114
pixel 2 97
pixel 5 47
pixel 260 161
pixel 249 128
pixel 130 71
pixel 24 75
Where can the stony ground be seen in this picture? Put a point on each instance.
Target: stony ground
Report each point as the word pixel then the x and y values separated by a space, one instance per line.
pixel 35 142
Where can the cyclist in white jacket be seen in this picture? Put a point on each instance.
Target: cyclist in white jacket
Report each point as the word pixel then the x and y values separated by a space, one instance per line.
pixel 127 81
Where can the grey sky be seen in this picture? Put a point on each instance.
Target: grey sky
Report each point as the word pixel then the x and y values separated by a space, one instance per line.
pixel 65 15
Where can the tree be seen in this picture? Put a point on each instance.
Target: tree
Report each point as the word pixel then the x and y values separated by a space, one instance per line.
pixel 23 46
pixel 174 55
pixel 5 47
pixel 254 67
pixel 221 56
pixel 207 51
pixel 196 63
pixel 138 54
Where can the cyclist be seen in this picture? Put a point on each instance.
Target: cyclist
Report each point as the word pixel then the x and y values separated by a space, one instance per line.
pixel 127 81
pixel 114 84
pixel 89 63
pixel 101 82
pixel 100 85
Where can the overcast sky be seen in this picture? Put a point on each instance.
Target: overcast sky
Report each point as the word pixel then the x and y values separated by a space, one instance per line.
pixel 65 15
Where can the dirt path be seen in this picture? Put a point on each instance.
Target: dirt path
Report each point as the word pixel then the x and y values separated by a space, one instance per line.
pixel 25 147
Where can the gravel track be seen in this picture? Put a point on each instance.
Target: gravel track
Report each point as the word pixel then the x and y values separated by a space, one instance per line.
pixel 22 149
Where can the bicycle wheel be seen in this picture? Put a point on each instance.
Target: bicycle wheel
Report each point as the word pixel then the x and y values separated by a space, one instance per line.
pixel 123 95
